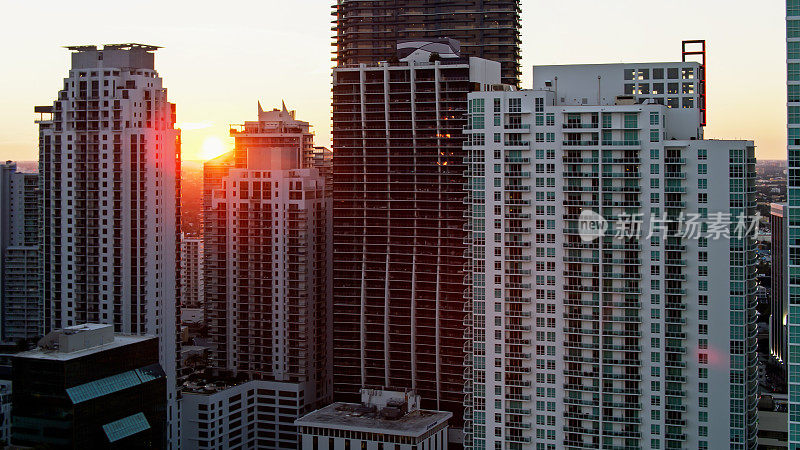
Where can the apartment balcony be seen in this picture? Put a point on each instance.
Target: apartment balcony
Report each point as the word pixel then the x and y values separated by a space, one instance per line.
pixel 625 175
pixel 592 174
pixel 574 125
pixel 517 160
pixel 578 160
pixel 569 188
pixel 580 143
pixel 622 160
pixel 631 143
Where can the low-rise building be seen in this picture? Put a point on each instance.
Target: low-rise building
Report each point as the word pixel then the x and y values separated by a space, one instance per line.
pixel 255 414
pixel 383 420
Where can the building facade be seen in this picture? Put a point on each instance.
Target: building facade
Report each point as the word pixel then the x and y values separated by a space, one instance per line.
pixel 191 272
pixel 256 414
pixel 21 307
pixel 109 167
pixel 601 227
pixel 779 282
pixel 367 31
pixel 84 387
pixel 398 222
pixel 793 224
pixel 383 419
pixel 268 257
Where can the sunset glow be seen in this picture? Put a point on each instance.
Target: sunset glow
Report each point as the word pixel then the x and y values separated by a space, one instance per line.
pixel 212 147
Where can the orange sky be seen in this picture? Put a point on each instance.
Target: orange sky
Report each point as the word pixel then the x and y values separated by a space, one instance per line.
pixel 219 60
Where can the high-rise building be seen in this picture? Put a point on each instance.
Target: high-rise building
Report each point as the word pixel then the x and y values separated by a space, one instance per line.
pixel 267 226
pixel 191 272
pixel 368 31
pixel 21 309
pixel 779 282
pixel 85 387
pixel 383 419
pixel 612 266
pixel 398 223
pixel 793 233
pixel 109 168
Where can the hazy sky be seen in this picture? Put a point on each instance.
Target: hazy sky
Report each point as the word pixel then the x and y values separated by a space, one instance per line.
pixel 220 58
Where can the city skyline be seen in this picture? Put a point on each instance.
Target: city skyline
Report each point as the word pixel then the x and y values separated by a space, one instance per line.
pixel 197 43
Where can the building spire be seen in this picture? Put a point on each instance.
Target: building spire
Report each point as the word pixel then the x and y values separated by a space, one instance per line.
pixel 260 110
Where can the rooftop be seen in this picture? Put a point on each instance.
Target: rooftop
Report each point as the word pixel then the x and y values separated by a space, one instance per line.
pixel 355 417
pixel 78 341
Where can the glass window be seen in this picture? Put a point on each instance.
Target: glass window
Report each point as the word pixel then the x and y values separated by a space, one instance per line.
pixel 793 50
pixel 793 7
pixel 658 74
pixel 629 74
pixel 629 88
pixel 654 118
pixel 658 88
pixel 794 93
pixel 672 73
pixel 794 71
pixel 631 120
pixel 794 114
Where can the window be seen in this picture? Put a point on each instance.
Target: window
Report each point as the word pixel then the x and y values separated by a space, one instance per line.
pixel 794 93
pixel 793 50
pixel 539 102
pixel 794 71
pixel 631 120
pixel 654 118
pixel 653 153
pixel 654 135
pixel 702 169
pixel 794 114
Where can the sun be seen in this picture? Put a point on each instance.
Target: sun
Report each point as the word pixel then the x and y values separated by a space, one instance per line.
pixel 212 147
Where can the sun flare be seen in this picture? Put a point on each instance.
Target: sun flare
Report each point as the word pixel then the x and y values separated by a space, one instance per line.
pixel 212 147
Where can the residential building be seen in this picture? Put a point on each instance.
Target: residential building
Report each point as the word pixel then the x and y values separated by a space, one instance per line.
pixel 254 414
pixel 191 272
pixel 109 168
pixel 85 387
pixel 793 225
pixel 779 282
pixel 268 270
pixel 21 309
pixel 383 419
pixel 398 222
pixel 367 31
pixel 612 267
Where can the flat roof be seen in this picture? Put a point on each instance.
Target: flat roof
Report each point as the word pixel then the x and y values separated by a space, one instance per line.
pixel 345 416
pixel 119 341
pixel 633 63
